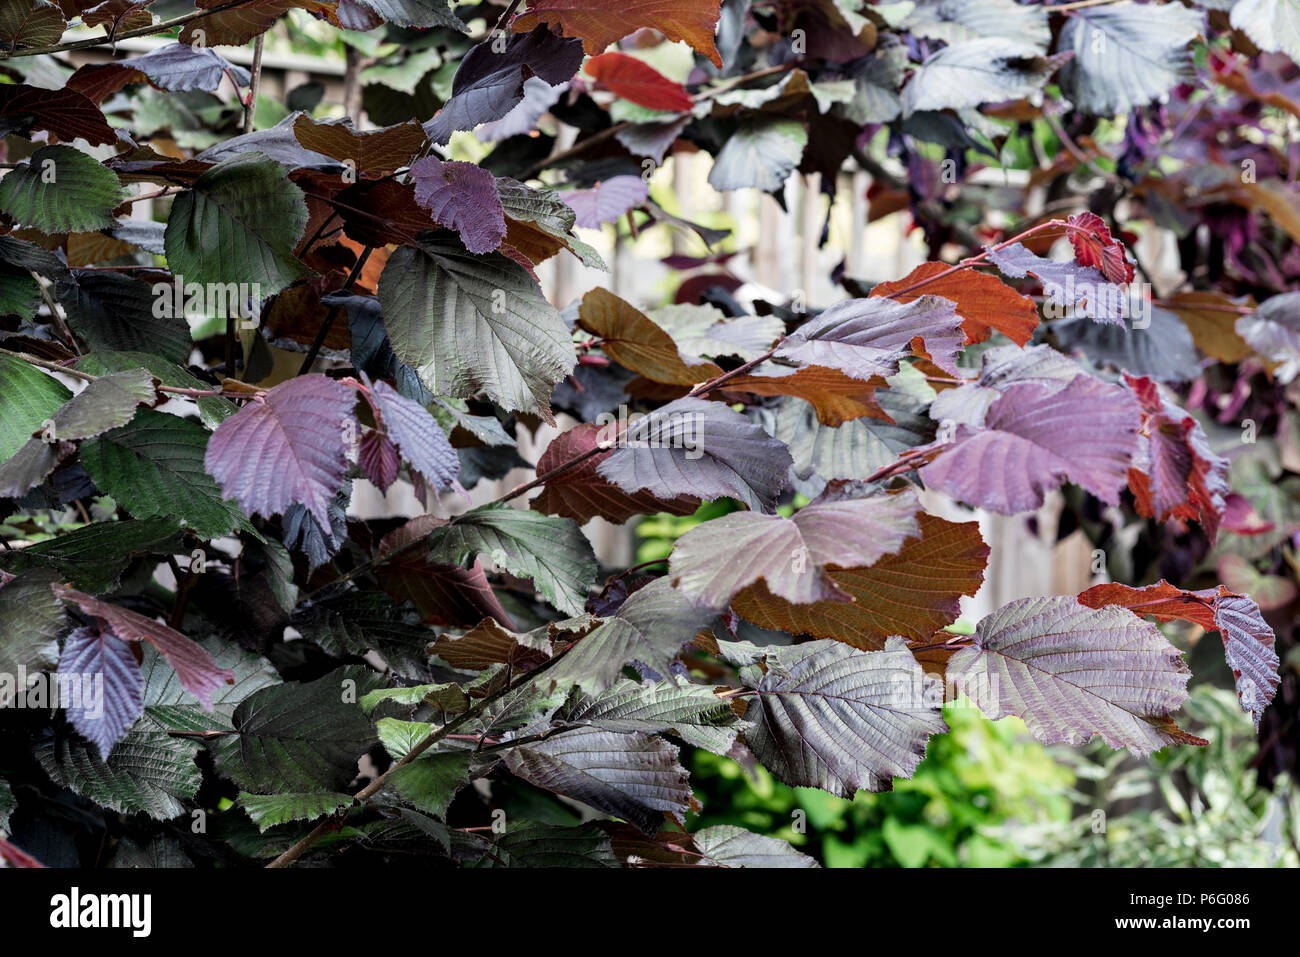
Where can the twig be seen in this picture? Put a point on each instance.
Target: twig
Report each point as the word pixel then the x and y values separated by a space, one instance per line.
pixel 328 322
pixel 377 785
pixel 250 104
pixel 110 37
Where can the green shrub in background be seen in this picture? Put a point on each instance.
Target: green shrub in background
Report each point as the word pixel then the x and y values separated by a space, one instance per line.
pixel 980 775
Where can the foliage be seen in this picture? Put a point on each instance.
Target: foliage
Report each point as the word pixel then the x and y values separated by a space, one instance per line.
pixel 326 303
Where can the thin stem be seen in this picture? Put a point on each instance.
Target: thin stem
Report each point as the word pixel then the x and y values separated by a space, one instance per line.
pixel 438 734
pixel 706 387
pixel 250 104
pixel 109 37
pixel 57 317
pixel 328 323
pixel 87 377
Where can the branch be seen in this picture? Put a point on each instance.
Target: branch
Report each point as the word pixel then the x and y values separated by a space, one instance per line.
pixel 250 104
pixel 110 37
pixel 377 785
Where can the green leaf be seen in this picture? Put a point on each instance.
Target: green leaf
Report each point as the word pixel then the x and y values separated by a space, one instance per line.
pixel 93 557
pixel 213 410
pixel 148 771
pixel 544 209
pixel 104 404
pixel 299 736
pixel 20 293
pixel 61 190
pixel 528 844
pixel 470 324
pixel 357 622
pixel 153 466
pixel 692 712
pixel 111 311
pixel 7 804
pixel 729 846
pixel 431 781
pixel 30 397
pixel 31 619
pixel 761 154
pixel 247 208
pixel 268 810
pixel 551 551
pixel 30 23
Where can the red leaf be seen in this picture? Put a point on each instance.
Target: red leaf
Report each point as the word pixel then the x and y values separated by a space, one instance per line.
pixel 378 458
pixel 581 492
pixel 638 82
pixel 1247 638
pixel 602 22
pixel 984 302
pixel 16 857
pixel 1175 474
pixel 1098 249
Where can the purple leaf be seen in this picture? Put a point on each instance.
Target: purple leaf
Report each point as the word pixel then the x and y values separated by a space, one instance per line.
pixel 699 448
pixel 378 458
pixel 607 201
pixel 112 688
pixel 462 197
pixel 418 435
pixel 1034 439
pixel 1070 671
pixel 194 667
pixel 790 554
pixel 1067 284
pixel 1248 641
pixel 489 82
pixel 289 447
pixel 539 96
pixel 867 337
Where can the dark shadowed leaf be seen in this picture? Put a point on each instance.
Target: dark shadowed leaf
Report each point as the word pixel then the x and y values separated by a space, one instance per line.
pixel 300 737
pixel 633 776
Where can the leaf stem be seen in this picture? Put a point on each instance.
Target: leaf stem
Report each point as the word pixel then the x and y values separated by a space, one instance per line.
pixel 250 104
